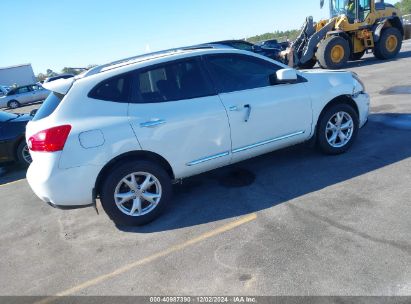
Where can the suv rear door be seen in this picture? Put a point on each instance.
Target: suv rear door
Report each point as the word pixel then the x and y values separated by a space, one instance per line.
pixel 176 113
pixel 24 95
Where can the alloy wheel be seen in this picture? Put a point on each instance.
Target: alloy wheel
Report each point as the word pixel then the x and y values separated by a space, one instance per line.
pixel 25 153
pixel 138 194
pixel 339 129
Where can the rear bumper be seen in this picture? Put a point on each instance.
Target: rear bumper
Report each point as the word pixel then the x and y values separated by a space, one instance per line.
pixel 63 188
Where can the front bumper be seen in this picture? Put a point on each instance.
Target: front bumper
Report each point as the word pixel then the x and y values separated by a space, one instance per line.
pixel 363 102
pixel 63 188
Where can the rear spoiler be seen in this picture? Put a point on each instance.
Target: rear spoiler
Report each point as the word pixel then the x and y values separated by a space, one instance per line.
pixel 61 86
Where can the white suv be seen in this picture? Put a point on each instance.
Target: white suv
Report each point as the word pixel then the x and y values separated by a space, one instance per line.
pixel 125 131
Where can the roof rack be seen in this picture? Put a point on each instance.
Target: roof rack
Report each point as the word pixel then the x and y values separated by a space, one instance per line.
pixel 141 58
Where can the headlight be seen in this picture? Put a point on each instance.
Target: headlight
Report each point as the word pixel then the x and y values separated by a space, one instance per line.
pixel 357 78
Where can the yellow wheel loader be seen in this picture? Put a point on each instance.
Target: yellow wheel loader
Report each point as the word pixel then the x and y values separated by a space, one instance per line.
pixel 354 28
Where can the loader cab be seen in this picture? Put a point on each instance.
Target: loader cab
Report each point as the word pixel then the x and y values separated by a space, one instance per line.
pixel 355 10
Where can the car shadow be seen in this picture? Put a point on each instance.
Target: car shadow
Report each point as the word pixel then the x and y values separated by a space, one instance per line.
pixel 278 177
pixel 11 172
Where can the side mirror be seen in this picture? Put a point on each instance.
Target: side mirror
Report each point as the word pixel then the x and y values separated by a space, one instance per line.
pixel 283 76
pixel 33 112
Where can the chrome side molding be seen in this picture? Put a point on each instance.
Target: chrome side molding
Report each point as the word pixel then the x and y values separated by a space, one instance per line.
pixel 262 143
pixel 150 124
pixel 206 159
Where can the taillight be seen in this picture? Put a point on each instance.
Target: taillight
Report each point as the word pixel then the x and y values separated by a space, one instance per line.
pixel 50 140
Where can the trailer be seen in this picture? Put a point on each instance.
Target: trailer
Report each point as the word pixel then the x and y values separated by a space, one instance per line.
pixel 17 75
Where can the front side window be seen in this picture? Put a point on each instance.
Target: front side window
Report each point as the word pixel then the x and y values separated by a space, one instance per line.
pixel 114 89
pixel 239 72
pixel 172 81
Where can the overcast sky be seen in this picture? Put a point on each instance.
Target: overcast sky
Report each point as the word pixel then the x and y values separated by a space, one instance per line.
pixel 74 33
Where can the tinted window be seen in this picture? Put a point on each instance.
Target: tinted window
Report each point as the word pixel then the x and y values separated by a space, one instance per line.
pixel 35 87
pixel 172 81
pixel 23 90
pixel 48 106
pixel 238 72
pixel 113 89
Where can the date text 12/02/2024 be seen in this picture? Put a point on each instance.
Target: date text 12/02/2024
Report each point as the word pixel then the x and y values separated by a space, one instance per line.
pixel 203 299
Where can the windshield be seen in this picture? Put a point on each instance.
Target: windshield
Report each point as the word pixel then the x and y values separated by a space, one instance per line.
pixel 350 9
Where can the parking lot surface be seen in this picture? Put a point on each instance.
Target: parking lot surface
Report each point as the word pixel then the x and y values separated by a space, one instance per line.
pixel 293 222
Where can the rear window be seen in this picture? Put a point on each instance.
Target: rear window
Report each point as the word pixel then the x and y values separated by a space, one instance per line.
pixel 173 81
pixel 48 106
pixel 114 89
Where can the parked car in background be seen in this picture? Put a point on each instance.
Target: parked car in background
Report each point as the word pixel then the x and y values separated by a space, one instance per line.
pixel 130 128
pixel 3 91
pixel 273 44
pixel 13 146
pixel 62 76
pixel 23 95
pixel 247 46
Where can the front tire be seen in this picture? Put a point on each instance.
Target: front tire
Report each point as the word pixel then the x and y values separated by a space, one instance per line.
pixel 337 129
pixel 333 52
pixel 135 193
pixel 13 104
pixel 389 44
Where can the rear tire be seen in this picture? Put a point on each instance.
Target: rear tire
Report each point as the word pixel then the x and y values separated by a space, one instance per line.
pixel 125 199
pixel 23 154
pixel 389 44
pixel 333 52
pixel 13 104
pixel 329 129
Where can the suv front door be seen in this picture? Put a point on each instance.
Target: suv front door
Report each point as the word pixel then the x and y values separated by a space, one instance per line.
pixel 262 117
pixel 176 113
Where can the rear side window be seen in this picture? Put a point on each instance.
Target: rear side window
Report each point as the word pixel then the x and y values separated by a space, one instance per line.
pixel 240 72
pixel 48 106
pixel 23 90
pixel 114 89
pixel 172 81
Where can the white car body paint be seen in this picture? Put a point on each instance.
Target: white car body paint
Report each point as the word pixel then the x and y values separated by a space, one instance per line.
pixel 193 136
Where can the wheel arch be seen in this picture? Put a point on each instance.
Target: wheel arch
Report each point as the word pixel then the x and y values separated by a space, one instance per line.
pixel 129 156
pixel 393 21
pixel 11 100
pixel 342 99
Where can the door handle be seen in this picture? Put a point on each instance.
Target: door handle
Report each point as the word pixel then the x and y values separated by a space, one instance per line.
pixel 247 116
pixel 152 123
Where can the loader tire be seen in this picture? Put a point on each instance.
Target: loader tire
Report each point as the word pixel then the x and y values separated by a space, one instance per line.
pixel 389 44
pixel 333 52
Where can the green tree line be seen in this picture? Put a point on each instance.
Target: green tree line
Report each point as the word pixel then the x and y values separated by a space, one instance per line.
pixel 279 35
pixel 74 71
pixel 404 6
